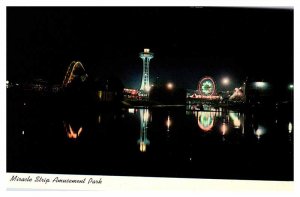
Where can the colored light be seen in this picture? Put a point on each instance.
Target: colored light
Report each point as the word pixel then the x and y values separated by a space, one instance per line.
pixel 206 121
pixel 170 86
pixel 235 119
pixel 224 128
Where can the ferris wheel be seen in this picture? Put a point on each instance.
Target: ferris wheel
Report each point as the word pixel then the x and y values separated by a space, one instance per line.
pixel 207 86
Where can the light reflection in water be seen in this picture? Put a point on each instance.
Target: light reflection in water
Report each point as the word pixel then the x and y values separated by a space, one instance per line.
pixel 235 119
pixel 131 110
pixel 143 140
pixel 72 133
pixel 99 119
pixel 205 120
pixel 168 123
pixel 260 131
pixel 224 128
pixel 290 127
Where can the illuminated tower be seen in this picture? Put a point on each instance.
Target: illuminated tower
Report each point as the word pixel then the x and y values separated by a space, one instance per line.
pixel 146 56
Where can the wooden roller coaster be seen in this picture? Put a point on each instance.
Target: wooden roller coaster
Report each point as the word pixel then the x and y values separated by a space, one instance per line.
pixel 70 75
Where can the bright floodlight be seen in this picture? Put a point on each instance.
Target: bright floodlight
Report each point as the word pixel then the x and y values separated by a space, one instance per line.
pixel 225 81
pixel 291 86
pixel 170 85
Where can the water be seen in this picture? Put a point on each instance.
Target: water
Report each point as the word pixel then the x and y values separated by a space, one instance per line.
pixel 44 137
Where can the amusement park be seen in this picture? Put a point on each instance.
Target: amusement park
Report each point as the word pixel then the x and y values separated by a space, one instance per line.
pixel 165 98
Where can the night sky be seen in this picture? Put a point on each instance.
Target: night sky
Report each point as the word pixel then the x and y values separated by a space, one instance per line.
pixel 188 43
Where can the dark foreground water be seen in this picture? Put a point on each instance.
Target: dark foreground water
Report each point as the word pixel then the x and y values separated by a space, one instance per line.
pixel 44 137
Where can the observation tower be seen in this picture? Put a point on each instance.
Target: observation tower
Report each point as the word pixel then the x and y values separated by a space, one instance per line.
pixel 146 57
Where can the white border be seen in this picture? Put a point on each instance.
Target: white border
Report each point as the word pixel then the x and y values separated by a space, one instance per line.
pixel 190 184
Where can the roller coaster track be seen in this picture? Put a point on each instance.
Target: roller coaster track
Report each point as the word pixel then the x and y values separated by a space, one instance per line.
pixel 69 77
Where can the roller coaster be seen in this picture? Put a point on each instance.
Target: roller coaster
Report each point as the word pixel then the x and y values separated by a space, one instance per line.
pixel 75 70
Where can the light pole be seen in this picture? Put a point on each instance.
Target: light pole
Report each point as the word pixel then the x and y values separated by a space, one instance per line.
pixel 225 82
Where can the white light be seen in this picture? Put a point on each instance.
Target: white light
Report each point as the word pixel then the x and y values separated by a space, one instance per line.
pixel 131 110
pixel 260 84
pixel 147 88
pixel 225 81
pixel 170 86
pixel 23 132
pixel 7 82
pixel 168 123
pixel 290 127
pixel 260 131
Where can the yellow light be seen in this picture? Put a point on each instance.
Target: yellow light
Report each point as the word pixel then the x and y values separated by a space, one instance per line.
pixel 168 123
pixel 146 115
pixel 236 123
pixel 143 147
pixel 100 94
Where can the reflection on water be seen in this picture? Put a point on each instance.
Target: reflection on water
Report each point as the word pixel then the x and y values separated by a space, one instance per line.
pixel 226 120
pixel 224 128
pixel 72 133
pixel 184 142
pixel 235 119
pixel 205 120
pixel 168 123
pixel 261 130
pixel 290 127
pixel 144 119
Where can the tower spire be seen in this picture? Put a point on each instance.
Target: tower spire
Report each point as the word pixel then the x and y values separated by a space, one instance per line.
pixel 146 57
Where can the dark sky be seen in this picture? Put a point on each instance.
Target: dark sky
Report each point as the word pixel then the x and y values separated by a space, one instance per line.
pixel 188 43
